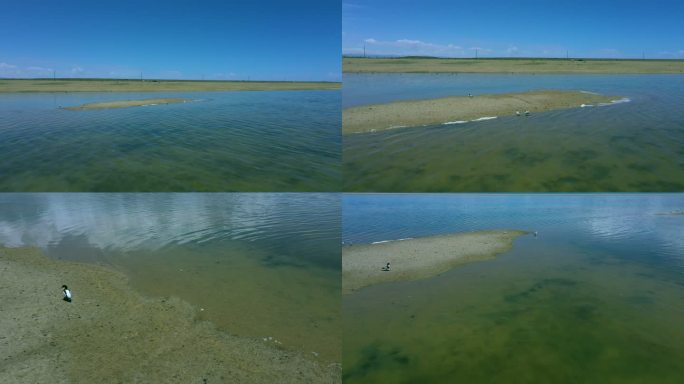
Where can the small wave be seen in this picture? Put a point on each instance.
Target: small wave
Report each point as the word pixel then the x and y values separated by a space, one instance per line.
pixel 485 118
pixel 387 241
pixel 619 101
pixel 586 105
pixel 590 93
pixel 455 122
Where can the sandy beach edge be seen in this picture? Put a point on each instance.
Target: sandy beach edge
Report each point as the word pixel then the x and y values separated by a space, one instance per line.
pixel 462 109
pixel 110 333
pixel 419 258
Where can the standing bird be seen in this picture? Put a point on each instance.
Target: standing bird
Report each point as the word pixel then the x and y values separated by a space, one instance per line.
pixel 386 268
pixel 67 293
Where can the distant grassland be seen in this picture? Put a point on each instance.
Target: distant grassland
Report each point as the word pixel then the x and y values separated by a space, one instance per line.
pixel 439 65
pixel 114 85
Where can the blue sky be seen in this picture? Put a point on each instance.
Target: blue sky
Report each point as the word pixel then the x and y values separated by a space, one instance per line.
pixel 520 28
pixel 259 40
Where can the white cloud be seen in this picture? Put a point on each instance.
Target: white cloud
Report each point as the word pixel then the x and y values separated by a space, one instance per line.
pixel 411 47
pixel 76 70
pixel 8 70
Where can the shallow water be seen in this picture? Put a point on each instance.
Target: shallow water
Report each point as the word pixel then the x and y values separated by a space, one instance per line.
pixel 223 141
pixel 597 297
pixel 633 146
pixel 258 265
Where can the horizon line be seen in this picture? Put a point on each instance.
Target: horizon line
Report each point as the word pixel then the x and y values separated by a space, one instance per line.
pixel 361 56
pixel 159 79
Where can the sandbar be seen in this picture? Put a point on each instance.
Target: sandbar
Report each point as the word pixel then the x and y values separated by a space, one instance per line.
pixel 126 104
pixel 112 334
pixel 508 65
pixel 460 109
pixel 419 258
pixel 128 85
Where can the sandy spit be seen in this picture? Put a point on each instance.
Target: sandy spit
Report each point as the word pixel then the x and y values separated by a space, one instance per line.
pixel 377 117
pixel 419 258
pixel 111 334
pixel 127 104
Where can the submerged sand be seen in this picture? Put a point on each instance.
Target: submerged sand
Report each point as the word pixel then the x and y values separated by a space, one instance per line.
pixel 127 103
pixel 419 258
pixel 461 109
pixel 109 333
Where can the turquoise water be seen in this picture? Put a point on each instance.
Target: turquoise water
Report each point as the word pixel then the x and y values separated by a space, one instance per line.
pixel 223 141
pixel 634 146
pixel 596 297
pixel 258 264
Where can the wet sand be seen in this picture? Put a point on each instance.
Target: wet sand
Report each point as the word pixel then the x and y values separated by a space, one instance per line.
pixel 109 333
pixel 419 258
pixel 126 104
pixel 508 65
pixel 115 85
pixel 461 109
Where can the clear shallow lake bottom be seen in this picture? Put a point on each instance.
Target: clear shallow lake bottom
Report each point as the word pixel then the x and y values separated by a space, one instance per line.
pixel 221 141
pixel 636 146
pixel 597 297
pixel 257 265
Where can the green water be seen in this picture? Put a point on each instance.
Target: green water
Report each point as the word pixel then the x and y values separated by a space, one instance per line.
pixel 264 266
pixel 265 141
pixel 597 297
pixel 519 322
pixel 633 146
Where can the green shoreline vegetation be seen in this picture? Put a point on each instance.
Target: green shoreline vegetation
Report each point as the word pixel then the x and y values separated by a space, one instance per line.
pixel 419 258
pixel 460 109
pixel 128 85
pixel 414 64
pixel 110 333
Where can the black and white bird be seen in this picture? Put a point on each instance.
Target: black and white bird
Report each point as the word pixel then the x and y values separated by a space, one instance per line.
pixel 386 268
pixel 67 293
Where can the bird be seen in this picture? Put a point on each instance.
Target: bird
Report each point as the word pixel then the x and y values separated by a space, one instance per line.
pixel 527 113
pixel 67 293
pixel 470 95
pixel 535 233
pixel 386 268
pixel 517 113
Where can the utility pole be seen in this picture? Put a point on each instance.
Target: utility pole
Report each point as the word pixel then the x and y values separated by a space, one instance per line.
pixel 141 76
pixel 476 53
pixel 54 75
pixel 567 55
pixel 364 51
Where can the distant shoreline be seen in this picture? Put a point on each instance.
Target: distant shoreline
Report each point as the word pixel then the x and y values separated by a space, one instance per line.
pixel 509 65
pixel 128 85
pixel 111 333
pixel 461 109
pixel 419 258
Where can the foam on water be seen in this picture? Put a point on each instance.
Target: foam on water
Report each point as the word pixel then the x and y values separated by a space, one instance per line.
pixel 485 118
